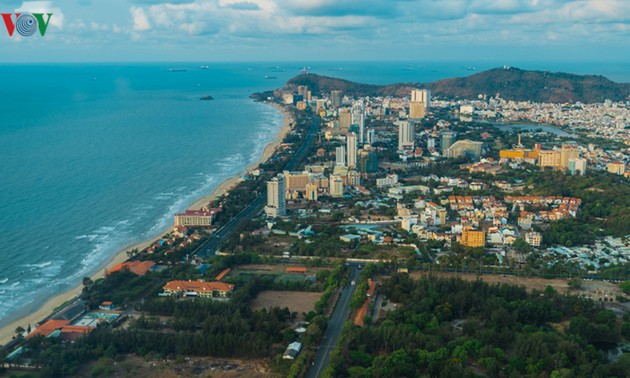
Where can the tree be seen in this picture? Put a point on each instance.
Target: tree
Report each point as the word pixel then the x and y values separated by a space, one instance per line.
pixel 575 283
pixel 522 246
pixel 87 282
pixel 19 330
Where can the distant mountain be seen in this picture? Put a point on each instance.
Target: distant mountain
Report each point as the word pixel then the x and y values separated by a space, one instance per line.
pixel 509 83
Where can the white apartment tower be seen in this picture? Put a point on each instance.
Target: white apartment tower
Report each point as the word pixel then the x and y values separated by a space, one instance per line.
pixel 340 156
pixel 371 133
pixel 352 150
pixel 358 118
pixel 406 135
pixel 336 186
pixel 276 201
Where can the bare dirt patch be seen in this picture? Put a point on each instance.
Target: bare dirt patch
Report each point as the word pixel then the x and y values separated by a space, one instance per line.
pixel 296 301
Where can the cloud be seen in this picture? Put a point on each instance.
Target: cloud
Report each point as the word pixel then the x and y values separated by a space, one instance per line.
pixel 340 28
pixel 56 20
pixel 244 5
pixel 140 19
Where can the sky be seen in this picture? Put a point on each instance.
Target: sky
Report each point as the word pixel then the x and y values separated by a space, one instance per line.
pixel 323 30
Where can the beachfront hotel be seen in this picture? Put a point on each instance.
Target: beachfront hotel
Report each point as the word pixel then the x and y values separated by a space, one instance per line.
pixel 196 218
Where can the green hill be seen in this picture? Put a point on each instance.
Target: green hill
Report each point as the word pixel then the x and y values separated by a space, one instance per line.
pixel 509 83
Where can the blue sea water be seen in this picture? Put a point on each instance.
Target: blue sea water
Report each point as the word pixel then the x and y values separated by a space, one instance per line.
pixel 94 158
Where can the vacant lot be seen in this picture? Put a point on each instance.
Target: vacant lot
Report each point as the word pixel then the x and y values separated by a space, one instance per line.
pixel 273 245
pixel 137 367
pixel 593 289
pixel 296 301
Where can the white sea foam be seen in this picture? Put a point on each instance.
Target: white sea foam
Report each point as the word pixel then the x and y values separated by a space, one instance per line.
pixel 90 237
pixel 38 266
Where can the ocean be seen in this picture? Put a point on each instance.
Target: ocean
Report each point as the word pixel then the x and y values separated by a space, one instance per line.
pixel 97 157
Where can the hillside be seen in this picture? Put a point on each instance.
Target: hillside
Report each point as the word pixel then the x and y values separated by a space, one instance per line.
pixel 508 83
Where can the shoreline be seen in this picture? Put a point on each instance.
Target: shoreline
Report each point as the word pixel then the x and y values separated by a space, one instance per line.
pixel 49 307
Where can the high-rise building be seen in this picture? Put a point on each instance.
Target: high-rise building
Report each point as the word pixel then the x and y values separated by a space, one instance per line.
pixel 296 181
pixel 302 90
pixel 335 99
pixel 464 148
pixel 340 156
pixel 568 152
pixel 618 168
pixel 311 192
pixel 549 159
pixel 448 138
pixel 368 161
pixel 419 103
pixel 431 143
pixel 276 201
pixel 577 166
pixel 345 119
pixel 351 148
pixel 354 178
pixel 358 118
pixel 371 134
pixel 421 95
pixel 336 186
pixel 417 110
pixel 406 135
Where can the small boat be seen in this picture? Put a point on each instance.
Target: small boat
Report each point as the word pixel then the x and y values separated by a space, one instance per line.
pixel 207 98
pixel 270 77
pixel 204 67
pixel 177 70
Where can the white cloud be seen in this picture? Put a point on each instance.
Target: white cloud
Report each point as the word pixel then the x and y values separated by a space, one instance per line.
pixel 56 20
pixel 140 19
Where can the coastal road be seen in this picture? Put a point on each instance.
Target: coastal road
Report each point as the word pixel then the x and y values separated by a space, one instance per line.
pixel 335 326
pixel 210 247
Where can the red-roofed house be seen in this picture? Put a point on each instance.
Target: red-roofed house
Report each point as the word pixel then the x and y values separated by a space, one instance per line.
pixel 70 332
pixel 49 327
pixel 139 268
pixel 199 288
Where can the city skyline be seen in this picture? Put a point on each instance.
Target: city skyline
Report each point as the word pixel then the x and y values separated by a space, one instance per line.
pixel 285 30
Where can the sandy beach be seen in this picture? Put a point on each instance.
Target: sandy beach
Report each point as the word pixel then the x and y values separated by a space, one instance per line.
pixel 47 309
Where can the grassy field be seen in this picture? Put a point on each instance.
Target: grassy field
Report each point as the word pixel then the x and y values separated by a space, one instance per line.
pixel 245 273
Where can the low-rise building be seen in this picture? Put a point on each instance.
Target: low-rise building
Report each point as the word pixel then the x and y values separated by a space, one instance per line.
pixel 199 289
pixel 292 351
pixel 196 218
pixel 533 238
pixel 473 238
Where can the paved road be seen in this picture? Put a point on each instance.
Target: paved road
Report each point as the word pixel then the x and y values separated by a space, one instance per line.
pixel 335 326
pixel 209 248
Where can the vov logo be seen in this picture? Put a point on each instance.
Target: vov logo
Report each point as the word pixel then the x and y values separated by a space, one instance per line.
pixel 26 24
